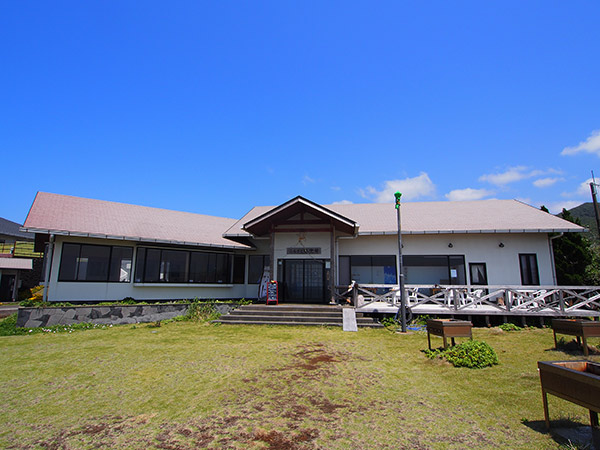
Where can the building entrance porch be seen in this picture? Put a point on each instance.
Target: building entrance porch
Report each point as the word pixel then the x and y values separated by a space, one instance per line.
pixel 304 280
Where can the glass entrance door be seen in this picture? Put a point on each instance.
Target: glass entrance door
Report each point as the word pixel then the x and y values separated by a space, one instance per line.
pixel 304 280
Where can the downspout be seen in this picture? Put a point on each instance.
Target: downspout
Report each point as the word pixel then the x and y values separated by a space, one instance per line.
pixel 550 239
pixel 49 256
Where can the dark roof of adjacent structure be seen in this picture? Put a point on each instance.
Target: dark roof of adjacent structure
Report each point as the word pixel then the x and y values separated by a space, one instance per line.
pixel 10 228
pixel 75 216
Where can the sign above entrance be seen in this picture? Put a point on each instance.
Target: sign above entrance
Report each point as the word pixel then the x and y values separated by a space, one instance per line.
pixel 304 250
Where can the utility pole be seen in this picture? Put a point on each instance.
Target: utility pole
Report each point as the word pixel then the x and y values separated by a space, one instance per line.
pixel 402 309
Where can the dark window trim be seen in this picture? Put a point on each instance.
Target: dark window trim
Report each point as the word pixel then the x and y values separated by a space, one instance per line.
pixel 62 280
pixel 529 271
pixel 187 274
pixel 349 275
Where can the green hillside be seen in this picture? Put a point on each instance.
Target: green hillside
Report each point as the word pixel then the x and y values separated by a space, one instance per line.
pixel 585 214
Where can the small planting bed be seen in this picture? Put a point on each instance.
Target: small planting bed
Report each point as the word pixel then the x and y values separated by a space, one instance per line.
pixel 448 328
pixel 576 327
pixel 574 381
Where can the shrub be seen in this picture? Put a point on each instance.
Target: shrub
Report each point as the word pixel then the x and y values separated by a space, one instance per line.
pixel 510 327
pixel 389 322
pixel 471 354
pixel 201 312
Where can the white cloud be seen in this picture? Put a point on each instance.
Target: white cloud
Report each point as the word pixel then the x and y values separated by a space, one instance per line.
pixel 514 174
pixel 509 176
pixel 468 194
pixel 591 145
pixel 583 190
pixel 556 207
pixel 546 182
pixel 411 189
pixel 307 180
pixel 342 202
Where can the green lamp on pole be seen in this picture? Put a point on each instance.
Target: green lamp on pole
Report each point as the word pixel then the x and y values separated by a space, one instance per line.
pixel 402 309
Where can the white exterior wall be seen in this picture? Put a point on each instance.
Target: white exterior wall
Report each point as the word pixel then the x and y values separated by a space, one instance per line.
pixel 73 291
pixel 502 263
pixel 283 241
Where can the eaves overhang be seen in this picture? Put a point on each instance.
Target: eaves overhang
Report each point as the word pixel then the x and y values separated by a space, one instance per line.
pixel 133 238
pixel 494 231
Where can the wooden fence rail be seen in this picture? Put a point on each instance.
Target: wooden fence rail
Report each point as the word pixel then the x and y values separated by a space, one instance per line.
pixel 576 301
pixel 22 249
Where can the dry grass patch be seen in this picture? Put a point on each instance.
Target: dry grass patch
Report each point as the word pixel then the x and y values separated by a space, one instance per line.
pixel 189 386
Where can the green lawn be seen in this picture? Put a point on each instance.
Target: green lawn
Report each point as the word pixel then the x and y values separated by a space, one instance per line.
pixel 187 385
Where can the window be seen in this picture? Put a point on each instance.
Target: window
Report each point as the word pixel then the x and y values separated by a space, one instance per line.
pixel 256 267
pixel 434 269
pixel 182 266
pixel 85 262
pixel 478 273
pixel 368 269
pixel 120 264
pixel 173 266
pixel 239 269
pixel 529 269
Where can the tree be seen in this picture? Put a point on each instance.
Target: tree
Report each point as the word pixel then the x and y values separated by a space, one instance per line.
pixel 572 256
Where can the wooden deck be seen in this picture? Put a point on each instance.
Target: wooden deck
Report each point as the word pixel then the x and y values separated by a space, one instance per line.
pixel 538 301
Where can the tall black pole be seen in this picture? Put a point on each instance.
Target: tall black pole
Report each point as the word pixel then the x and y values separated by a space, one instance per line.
pixel 402 310
pixel 595 200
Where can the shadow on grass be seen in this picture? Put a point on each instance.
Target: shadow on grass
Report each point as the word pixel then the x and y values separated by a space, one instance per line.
pixel 566 432
pixel 572 348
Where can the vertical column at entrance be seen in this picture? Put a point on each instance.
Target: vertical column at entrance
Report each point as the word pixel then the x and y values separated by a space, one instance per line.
pixel 333 265
pixel 272 255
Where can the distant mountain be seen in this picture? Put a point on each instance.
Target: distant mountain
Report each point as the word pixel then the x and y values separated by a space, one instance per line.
pixel 585 214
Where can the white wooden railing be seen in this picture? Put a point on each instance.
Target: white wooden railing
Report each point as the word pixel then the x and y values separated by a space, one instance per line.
pixel 467 299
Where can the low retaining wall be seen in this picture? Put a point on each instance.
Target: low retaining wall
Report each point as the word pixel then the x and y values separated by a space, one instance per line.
pixel 116 315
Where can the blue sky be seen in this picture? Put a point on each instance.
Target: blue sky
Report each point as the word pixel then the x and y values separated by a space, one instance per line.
pixel 215 107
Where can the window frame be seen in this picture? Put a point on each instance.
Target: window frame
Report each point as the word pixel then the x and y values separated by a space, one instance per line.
pixel 78 263
pixel 529 272
pixel 214 262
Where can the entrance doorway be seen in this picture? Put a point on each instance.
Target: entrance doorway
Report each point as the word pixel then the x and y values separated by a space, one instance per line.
pixel 7 286
pixel 304 280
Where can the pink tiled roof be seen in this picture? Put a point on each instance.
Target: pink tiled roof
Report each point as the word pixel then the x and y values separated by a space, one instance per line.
pixel 483 216
pixel 66 215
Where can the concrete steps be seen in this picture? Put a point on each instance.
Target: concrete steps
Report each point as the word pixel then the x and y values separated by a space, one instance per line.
pixel 297 315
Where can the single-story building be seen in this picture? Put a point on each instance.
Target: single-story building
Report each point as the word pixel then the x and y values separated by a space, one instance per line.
pixel 102 250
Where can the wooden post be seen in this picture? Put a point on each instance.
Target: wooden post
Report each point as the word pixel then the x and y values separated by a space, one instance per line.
pixel 561 300
pixel 546 414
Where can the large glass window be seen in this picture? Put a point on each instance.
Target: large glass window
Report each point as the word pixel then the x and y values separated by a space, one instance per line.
pixel 182 266
pixel 529 269
pixel 239 269
pixel 256 267
pixel 434 269
pixel 173 266
pixel 365 269
pixel 85 262
pixel 120 264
